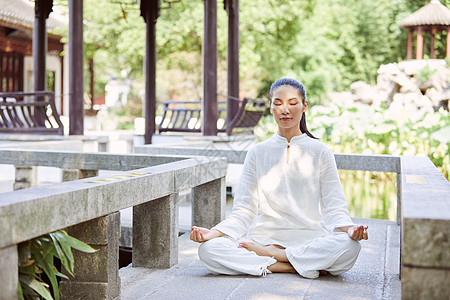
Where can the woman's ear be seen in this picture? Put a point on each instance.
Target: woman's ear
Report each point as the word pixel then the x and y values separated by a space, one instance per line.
pixel 270 106
pixel 305 105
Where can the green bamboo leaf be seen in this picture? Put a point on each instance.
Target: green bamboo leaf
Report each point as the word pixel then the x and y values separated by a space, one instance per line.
pixel 40 288
pixel 26 289
pixel 61 255
pixel 47 266
pixel 65 247
pixel 57 273
pixel 79 245
pixel 19 291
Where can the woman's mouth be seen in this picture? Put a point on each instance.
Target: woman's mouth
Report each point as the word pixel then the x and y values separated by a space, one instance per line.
pixel 285 119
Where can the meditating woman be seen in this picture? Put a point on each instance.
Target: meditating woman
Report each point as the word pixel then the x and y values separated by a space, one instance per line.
pixel 289 212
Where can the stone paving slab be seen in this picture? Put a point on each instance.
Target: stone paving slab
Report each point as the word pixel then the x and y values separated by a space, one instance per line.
pixel 374 276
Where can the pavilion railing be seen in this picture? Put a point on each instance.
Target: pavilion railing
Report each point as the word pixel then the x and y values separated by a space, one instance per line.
pixel 89 209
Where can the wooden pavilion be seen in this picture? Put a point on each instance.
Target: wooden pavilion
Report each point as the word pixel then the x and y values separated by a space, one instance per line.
pixel 433 18
pixel 150 11
pixel 16 48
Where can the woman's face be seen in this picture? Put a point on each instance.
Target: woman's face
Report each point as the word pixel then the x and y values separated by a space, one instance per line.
pixel 287 107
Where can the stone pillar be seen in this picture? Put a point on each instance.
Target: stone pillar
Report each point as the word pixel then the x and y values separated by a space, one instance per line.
pixel 96 274
pixel 9 272
pixel 409 50
pixel 155 233
pixel 88 173
pixel 26 177
pixel 208 203
pixel 70 174
pixel 419 43
pixel 75 174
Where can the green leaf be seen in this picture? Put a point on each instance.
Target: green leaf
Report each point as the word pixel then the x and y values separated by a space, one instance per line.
pixel 79 245
pixel 64 246
pixel 61 255
pixel 39 287
pixel 19 291
pixel 57 273
pixel 47 265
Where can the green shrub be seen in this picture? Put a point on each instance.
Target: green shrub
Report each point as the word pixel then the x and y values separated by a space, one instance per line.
pixel 36 257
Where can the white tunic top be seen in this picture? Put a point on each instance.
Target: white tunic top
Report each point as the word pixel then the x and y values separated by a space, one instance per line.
pixel 287 203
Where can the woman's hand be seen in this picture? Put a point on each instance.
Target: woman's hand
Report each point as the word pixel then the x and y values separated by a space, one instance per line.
pixel 358 232
pixel 200 234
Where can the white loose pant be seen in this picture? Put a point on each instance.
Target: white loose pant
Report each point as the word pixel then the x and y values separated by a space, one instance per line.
pixel 335 253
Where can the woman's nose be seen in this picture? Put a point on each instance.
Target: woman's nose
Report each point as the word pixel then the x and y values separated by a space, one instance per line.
pixel 284 110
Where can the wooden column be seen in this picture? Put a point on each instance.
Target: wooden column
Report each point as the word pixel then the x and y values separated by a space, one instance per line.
pixel 76 81
pixel 42 9
pixel 448 42
pixel 232 8
pixel 419 43
pixel 433 38
pixel 150 11
pixel 209 126
pixel 409 50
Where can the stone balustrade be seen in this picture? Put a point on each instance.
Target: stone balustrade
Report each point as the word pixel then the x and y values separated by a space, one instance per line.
pixel 88 209
pixel 423 211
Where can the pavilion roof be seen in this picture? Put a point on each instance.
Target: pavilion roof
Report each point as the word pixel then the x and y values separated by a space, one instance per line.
pixel 20 14
pixel 434 13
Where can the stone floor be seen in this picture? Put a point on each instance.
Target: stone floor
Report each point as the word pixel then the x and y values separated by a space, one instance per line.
pixel 374 276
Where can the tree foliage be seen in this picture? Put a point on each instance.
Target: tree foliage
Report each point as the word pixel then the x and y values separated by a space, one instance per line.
pixel 326 44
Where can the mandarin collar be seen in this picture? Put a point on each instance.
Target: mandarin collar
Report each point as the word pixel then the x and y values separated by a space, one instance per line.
pixel 294 140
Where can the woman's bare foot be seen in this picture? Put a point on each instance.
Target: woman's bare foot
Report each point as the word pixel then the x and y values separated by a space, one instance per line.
pixel 323 273
pixel 281 267
pixel 274 251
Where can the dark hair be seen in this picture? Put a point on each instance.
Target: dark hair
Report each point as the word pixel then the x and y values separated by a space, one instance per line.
pixel 301 90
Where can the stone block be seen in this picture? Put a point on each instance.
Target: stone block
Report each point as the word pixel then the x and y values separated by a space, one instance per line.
pixel 426 243
pixel 88 173
pixel 99 267
pixel 155 233
pixel 70 174
pixel 98 231
pixel 424 283
pixel 9 272
pixel 84 290
pixel 25 177
pixel 208 203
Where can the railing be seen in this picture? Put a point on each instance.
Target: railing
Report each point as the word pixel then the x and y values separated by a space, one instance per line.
pixel 89 209
pixel 375 163
pixel 423 212
pixel 33 112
